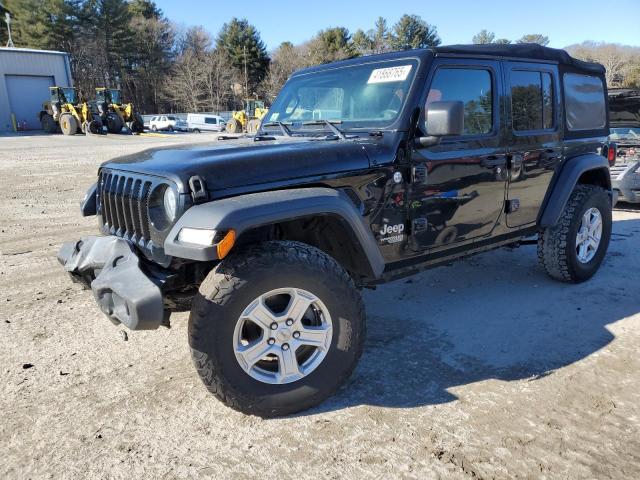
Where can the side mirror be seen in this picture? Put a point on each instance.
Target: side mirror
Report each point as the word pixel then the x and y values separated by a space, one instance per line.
pixel 443 118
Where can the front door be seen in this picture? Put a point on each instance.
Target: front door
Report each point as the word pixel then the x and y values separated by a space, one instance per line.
pixel 534 138
pixel 458 187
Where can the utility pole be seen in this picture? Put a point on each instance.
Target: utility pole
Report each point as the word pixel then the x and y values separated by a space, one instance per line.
pixel 7 19
pixel 246 80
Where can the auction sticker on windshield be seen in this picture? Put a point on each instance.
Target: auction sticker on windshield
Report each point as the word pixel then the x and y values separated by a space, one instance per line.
pixel 390 74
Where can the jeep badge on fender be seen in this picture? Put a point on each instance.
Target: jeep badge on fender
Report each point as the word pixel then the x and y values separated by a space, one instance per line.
pixel 416 158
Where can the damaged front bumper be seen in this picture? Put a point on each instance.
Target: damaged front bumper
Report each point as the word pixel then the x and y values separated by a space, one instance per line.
pixel 111 268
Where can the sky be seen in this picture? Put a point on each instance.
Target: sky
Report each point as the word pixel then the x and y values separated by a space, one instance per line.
pixel 565 22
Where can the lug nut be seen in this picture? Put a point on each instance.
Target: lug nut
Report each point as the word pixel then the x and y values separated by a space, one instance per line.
pixel 296 334
pixel 285 346
pixel 271 341
pixel 289 321
pixel 274 326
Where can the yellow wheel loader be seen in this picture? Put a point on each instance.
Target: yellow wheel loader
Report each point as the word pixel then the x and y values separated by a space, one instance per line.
pixel 67 112
pixel 247 120
pixel 115 114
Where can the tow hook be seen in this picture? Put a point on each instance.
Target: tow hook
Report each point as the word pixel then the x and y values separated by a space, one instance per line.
pixel 198 189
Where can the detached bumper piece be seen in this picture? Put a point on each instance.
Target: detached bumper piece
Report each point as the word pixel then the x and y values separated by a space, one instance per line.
pixel 111 268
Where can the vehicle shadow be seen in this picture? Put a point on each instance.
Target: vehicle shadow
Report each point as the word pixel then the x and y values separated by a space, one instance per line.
pixel 494 316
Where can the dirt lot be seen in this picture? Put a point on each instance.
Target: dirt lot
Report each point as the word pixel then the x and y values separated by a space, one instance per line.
pixel 482 369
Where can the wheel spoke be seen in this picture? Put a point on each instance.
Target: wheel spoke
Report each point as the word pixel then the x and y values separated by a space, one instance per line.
pixel 299 304
pixel 582 251
pixel 259 314
pixel 314 336
pixel 288 363
pixel 251 354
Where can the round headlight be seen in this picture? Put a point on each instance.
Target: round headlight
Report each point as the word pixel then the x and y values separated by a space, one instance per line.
pixel 170 203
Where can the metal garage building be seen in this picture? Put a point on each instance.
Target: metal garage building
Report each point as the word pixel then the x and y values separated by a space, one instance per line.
pixel 25 78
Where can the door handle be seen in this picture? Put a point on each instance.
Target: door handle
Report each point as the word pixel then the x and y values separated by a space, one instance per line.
pixel 493 161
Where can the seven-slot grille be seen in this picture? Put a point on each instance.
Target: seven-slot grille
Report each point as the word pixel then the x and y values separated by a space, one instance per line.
pixel 123 206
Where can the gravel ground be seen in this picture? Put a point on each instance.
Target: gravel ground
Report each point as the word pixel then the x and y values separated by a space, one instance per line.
pixel 482 369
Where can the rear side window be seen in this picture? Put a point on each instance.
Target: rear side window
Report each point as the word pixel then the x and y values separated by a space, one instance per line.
pixel 470 86
pixel 531 100
pixel 584 102
pixel 210 120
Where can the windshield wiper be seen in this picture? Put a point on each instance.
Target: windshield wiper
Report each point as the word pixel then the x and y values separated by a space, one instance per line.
pixel 283 128
pixel 329 123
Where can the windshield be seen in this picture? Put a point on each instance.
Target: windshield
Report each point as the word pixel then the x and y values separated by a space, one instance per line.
pixel 70 95
pixel 116 97
pixel 370 95
pixel 625 133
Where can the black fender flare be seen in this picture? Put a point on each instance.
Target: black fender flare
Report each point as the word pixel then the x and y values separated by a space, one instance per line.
pixel 566 181
pixel 249 211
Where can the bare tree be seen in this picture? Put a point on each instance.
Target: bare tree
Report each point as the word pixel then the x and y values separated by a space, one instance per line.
pixel 620 61
pixel 218 75
pixel 186 86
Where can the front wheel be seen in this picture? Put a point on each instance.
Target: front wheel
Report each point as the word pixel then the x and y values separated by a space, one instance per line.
pixel 276 328
pixel 573 250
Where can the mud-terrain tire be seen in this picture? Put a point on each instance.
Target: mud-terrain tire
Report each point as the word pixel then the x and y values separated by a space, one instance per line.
pixel 557 246
pixel 230 290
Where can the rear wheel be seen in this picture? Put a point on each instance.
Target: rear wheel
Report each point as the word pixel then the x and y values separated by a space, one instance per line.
pixel 234 126
pixel 253 125
pixel 573 250
pixel 48 123
pixel 196 130
pixel 276 328
pixel 114 123
pixel 68 124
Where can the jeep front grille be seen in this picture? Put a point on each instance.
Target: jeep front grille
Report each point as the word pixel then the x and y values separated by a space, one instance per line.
pixel 123 205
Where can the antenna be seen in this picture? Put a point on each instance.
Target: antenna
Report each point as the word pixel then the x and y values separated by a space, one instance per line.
pixel 7 19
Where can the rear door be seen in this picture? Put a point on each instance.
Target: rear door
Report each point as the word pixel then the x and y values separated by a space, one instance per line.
pixel 534 137
pixel 458 186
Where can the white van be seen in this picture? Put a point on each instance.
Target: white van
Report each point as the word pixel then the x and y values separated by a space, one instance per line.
pixel 199 122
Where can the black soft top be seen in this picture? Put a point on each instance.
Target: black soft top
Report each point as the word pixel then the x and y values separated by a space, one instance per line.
pixel 531 51
pixel 524 51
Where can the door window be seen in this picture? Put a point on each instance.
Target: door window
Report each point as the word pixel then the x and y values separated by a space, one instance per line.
pixel 531 100
pixel 210 120
pixel 472 86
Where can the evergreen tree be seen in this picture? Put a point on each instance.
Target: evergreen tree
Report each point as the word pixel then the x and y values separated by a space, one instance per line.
pixel 332 44
pixel 381 36
pixel 44 24
pixel 534 38
pixel 362 42
pixel 413 32
pixel 483 37
pixel 242 44
pixel 107 24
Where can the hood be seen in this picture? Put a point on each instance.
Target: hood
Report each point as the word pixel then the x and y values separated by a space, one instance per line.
pixel 228 164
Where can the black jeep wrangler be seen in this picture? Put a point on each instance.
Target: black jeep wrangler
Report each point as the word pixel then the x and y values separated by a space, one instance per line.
pixel 363 171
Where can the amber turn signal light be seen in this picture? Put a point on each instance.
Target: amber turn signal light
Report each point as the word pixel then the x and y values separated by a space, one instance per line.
pixel 226 244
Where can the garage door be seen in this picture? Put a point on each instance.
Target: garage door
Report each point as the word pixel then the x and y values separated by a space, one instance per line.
pixel 26 94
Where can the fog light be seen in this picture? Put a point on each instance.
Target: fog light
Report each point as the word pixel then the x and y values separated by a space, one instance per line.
pixel 196 236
